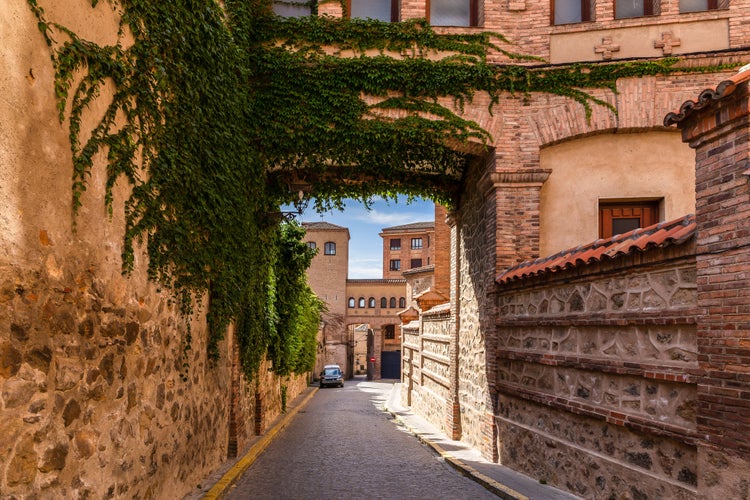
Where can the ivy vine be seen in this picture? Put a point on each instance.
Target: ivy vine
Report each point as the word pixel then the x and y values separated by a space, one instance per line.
pixel 219 110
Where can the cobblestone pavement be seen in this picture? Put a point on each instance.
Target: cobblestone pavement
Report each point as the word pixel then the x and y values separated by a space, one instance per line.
pixel 343 445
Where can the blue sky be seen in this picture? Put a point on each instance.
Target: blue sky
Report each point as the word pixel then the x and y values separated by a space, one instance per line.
pixel 365 245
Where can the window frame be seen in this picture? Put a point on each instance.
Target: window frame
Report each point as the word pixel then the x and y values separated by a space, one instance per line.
pixel 395 11
pixel 395 244
pixel 361 304
pixel 329 248
pixel 392 303
pixel 402 302
pixel 371 303
pixel 312 245
pixel 415 263
pixel 389 332
pixel 710 5
pixel 352 303
pixel 416 243
pixel 473 15
pixel 383 303
pixel 649 9
pixel 650 214
pixel 394 265
pixel 586 13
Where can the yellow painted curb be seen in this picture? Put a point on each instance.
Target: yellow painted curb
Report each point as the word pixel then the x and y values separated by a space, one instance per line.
pixel 218 490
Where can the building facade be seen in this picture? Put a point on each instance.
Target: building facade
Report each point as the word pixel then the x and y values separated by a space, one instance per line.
pixel 354 307
pixel 407 247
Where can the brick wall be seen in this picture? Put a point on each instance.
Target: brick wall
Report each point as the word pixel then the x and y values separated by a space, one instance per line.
pixel 720 133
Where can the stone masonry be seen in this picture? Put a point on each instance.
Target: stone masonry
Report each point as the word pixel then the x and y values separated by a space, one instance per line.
pixel 99 396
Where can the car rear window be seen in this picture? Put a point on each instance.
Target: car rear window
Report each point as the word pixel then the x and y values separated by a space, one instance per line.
pixel 332 371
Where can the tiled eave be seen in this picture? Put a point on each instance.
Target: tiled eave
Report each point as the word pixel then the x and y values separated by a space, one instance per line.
pixel 707 97
pixel 659 235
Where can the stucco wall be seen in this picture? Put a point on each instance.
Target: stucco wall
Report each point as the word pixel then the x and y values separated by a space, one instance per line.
pixel 653 165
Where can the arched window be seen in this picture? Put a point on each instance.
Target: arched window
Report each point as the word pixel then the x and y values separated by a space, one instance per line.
pixel 371 302
pixel 402 302
pixel 329 248
pixel 393 302
pixel 352 302
pixel 383 302
pixel 361 302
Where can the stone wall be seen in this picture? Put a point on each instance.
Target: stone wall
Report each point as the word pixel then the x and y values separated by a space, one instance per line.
pixel 99 396
pixel 427 364
pixel 597 376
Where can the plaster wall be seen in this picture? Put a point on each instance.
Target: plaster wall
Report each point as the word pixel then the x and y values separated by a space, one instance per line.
pixel 648 165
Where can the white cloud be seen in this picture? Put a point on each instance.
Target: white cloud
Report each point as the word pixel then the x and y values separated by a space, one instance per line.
pixel 389 218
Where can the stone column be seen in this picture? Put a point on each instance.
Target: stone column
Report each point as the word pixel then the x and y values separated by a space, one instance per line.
pixel 718 128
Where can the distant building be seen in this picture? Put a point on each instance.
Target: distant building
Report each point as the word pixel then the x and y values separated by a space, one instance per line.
pixel 407 247
pixel 362 315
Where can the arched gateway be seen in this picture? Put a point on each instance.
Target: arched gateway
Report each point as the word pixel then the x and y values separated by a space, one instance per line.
pixel 580 356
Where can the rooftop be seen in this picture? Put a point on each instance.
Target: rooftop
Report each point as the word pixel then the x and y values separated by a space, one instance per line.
pixel 323 226
pixel 659 235
pixel 708 96
pixel 411 227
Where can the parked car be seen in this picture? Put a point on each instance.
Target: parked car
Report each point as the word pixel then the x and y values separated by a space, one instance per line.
pixel 331 375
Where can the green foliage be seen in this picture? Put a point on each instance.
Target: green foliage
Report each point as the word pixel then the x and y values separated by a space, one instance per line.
pixel 220 108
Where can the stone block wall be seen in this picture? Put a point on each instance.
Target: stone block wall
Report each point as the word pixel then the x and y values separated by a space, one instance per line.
pixel 99 396
pixel 426 353
pixel 596 379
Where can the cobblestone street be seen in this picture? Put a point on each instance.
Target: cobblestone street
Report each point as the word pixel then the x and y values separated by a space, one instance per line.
pixel 343 445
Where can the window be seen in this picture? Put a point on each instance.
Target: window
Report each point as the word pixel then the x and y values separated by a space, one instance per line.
pixel 395 265
pixel 351 301
pixel 454 12
pixel 635 8
pixel 362 302
pixel 622 217
pixel 416 263
pixel 311 245
pixel 330 248
pixel 284 9
pixel 395 243
pixel 371 302
pixel 402 302
pixel 383 302
pixel 699 5
pixel 381 10
pixel 571 11
pixel 390 332
pixel 416 243
pixel 393 303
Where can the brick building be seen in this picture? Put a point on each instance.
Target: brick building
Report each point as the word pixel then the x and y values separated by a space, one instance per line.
pixel 407 247
pixel 352 304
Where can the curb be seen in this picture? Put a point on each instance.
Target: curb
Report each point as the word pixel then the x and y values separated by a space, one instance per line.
pixel 490 484
pixel 219 489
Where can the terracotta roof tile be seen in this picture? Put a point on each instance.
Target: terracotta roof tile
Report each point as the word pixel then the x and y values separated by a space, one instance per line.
pixel 322 226
pixel 659 235
pixel 708 96
pixel 413 225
